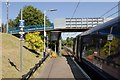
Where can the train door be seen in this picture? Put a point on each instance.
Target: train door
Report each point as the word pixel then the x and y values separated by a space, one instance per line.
pixel 77 47
pixel 74 44
pixel 81 48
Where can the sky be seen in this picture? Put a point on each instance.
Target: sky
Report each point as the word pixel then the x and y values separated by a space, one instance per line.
pixel 62 0
pixel 64 9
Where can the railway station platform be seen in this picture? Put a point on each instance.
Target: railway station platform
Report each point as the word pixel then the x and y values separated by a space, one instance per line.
pixel 62 68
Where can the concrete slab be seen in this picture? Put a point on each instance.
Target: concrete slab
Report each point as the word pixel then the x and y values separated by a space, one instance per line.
pixel 61 67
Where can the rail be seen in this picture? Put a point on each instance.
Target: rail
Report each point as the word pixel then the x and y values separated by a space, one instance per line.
pixel 32 70
pixel 69 50
pixel 83 72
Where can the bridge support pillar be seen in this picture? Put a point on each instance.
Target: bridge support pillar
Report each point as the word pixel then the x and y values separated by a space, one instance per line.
pixel 59 49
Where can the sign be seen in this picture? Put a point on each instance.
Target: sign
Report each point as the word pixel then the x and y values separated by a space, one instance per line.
pixel 55 36
pixel 21 32
pixel 21 23
pixel 110 37
pixel 44 34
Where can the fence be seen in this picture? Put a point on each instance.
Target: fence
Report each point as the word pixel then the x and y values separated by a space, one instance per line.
pixel 32 70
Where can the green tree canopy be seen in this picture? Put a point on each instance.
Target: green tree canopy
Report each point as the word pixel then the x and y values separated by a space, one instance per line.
pixel 11 23
pixel 32 16
pixel 68 42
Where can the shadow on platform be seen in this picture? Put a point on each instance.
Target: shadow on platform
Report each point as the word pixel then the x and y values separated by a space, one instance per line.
pixel 78 75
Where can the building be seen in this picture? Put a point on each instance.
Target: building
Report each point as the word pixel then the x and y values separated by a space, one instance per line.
pixel 78 22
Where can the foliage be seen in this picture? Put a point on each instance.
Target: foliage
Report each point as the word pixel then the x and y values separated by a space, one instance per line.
pixel 90 52
pixel 31 15
pixel 64 42
pixel 114 46
pixel 34 41
pixel 3 27
pixel 68 42
pixel 11 23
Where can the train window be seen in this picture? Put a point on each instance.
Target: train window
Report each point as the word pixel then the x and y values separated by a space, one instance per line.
pixel 101 48
pixel 103 53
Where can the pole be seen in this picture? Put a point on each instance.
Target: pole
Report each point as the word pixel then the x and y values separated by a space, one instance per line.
pixel 60 45
pixel 55 46
pixel 21 47
pixel 47 42
pixel 110 41
pixel 44 54
pixel 20 55
pixel 21 14
pixel 109 48
pixel 44 34
pixel 7 15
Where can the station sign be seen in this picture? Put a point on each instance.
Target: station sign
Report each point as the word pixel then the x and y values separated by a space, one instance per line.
pixel 21 23
pixel 21 32
pixel 110 37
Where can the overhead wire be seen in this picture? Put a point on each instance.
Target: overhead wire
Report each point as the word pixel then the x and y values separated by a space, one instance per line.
pixel 112 14
pixel 110 11
pixel 74 11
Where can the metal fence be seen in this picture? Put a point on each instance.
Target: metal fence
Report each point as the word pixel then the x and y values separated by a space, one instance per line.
pixel 32 70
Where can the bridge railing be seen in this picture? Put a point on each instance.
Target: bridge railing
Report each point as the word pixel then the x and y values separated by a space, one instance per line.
pixel 32 70
pixel 30 28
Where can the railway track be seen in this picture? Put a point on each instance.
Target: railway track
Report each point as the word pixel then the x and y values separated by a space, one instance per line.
pixel 72 63
pixel 93 71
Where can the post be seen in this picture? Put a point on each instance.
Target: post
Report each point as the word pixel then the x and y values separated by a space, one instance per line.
pixel 110 40
pixel 109 48
pixel 7 3
pixel 20 55
pixel 44 54
pixel 59 45
pixel 47 42
pixel 21 47
pixel 55 46
pixel 44 34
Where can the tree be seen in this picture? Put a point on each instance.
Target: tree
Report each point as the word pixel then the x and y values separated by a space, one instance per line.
pixel 11 23
pixel 34 41
pixel 3 27
pixel 32 16
pixel 69 42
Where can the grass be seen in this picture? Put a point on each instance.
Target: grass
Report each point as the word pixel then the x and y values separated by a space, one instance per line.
pixel 11 50
pixel 0 56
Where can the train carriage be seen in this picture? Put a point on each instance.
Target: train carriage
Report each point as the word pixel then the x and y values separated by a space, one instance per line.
pixel 102 41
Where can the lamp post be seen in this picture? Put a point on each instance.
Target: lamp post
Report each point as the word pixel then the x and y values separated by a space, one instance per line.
pixel 50 10
pixel 7 4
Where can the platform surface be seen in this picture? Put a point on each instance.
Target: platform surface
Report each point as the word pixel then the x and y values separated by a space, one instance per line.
pixel 61 67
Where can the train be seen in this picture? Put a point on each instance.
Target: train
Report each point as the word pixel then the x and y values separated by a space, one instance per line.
pixel 102 41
